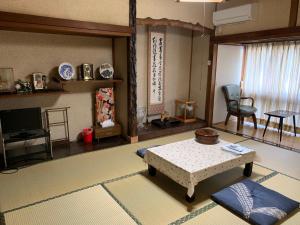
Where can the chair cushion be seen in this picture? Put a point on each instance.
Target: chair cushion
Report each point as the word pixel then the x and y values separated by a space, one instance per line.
pixel 244 109
pixel 255 203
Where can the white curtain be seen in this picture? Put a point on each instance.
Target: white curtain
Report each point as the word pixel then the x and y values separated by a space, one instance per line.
pixel 272 77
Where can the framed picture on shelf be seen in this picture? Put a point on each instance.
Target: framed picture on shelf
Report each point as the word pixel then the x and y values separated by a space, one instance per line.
pixel 7 80
pixel 38 81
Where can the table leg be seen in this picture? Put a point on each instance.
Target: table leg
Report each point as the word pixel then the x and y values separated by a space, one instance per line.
pixel 295 129
pixel 267 125
pixel 281 125
pixel 151 170
pixel 4 154
pixel 190 199
pixel 248 169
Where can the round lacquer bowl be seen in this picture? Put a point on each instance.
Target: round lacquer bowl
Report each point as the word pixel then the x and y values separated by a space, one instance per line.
pixel 207 136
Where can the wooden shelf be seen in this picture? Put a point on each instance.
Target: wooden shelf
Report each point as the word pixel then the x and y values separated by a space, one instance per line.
pixel 111 81
pixel 41 24
pixel 32 94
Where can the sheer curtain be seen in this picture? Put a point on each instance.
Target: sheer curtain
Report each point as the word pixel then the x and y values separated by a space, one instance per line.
pixel 272 77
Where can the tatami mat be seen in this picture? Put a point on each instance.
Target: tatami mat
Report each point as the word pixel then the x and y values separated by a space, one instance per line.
pixel 52 178
pixel 276 158
pixel 159 200
pixel 89 206
pixel 49 193
pixel 280 183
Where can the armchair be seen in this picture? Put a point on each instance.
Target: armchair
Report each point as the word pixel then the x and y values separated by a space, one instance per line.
pixel 235 108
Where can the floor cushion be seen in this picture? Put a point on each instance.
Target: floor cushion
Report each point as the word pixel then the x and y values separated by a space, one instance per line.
pixel 142 151
pixel 255 203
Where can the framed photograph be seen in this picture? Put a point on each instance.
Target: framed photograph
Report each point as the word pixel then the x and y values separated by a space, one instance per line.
pixel 7 80
pixel 156 69
pixel 38 81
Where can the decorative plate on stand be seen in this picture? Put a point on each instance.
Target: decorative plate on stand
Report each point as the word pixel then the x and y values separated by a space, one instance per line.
pixel 106 71
pixel 66 71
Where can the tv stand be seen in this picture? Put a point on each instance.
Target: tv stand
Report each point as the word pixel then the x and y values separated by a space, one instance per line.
pixel 24 136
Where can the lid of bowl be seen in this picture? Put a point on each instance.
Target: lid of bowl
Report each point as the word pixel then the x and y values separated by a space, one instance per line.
pixel 206 132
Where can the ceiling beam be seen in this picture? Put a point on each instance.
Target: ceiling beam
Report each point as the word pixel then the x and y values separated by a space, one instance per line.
pixel 280 34
pixel 293 13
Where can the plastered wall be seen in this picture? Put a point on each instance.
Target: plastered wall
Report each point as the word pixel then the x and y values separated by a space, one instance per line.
pixel 229 71
pixel 101 11
pixel 177 66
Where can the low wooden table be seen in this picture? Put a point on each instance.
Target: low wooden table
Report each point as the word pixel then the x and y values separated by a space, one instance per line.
pixel 281 114
pixel 189 162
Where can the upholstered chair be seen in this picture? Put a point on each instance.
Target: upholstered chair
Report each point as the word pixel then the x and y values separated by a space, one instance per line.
pixel 233 99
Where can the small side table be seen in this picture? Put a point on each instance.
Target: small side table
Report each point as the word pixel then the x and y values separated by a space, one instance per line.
pixel 281 114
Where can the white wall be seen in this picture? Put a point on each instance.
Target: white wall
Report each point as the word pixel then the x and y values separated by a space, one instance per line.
pixel 229 70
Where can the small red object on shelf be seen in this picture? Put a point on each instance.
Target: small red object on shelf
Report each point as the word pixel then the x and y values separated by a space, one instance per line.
pixel 87 135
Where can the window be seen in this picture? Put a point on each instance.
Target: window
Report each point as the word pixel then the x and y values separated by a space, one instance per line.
pixel 272 76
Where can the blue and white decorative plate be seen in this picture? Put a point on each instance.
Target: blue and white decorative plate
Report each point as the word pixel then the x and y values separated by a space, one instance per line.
pixel 66 71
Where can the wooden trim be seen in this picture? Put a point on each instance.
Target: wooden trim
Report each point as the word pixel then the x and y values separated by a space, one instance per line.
pixel 280 34
pixel 191 66
pixel 174 23
pixel 41 24
pixel 293 13
pixel 211 83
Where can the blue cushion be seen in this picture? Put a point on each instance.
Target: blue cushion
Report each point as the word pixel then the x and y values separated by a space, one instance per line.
pixel 255 203
pixel 142 151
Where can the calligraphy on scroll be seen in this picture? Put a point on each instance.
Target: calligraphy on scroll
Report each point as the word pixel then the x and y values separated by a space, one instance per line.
pixel 156 72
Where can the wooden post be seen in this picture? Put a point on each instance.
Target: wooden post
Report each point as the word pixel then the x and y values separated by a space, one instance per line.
pixel 293 13
pixel 191 66
pixel 132 95
pixel 211 82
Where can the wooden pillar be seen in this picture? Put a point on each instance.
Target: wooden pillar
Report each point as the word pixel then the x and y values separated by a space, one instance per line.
pixel 132 95
pixel 211 82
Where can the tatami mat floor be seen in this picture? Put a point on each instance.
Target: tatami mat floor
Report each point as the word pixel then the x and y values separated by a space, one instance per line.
pixel 110 187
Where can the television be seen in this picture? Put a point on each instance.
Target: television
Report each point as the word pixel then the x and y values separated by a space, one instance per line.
pixel 21 120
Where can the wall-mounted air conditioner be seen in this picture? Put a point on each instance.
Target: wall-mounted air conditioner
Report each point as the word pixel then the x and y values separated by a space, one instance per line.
pixel 233 15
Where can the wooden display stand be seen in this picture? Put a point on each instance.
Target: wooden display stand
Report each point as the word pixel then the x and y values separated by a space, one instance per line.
pixel 185 117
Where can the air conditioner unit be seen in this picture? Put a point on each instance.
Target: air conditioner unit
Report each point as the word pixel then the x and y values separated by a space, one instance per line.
pixel 233 15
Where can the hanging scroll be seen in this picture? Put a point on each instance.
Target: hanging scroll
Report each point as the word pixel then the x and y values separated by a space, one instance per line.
pixel 156 70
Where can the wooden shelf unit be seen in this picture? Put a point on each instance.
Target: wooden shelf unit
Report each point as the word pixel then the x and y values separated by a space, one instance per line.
pixel 32 94
pixel 123 39
pixel 111 81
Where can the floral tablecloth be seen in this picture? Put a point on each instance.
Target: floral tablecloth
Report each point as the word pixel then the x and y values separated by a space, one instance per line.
pixel 189 162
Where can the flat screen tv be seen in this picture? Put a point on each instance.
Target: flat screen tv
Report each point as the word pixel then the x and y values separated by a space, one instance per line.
pixel 21 120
